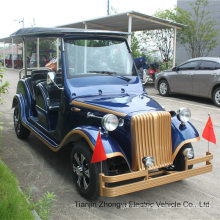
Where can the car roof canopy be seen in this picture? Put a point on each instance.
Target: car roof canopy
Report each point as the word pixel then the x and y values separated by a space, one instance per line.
pixel 43 32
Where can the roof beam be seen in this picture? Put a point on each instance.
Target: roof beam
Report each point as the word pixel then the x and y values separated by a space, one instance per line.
pixel 153 21
pixel 106 27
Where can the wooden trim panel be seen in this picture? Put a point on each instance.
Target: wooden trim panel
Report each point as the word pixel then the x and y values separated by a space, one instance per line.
pixel 182 143
pixel 147 183
pixel 200 159
pixel 110 155
pixel 153 182
pixel 151 136
pixel 97 108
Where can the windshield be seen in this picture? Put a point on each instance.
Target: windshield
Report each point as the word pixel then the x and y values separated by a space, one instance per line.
pixel 98 56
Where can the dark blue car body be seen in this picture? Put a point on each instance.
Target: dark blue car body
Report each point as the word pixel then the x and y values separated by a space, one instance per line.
pixel 67 122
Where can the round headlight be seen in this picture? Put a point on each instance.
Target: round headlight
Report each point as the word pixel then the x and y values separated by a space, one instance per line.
pixel 110 122
pixel 184 114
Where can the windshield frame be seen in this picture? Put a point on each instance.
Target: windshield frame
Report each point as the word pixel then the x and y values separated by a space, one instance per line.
pixel 96 37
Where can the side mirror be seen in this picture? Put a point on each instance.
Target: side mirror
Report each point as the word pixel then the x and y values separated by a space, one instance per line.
pixel 175 69
pixel 50 77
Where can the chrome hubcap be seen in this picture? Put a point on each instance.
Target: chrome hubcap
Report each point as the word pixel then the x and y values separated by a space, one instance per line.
pixel 81 170
pixel 217 97
pixel 163 88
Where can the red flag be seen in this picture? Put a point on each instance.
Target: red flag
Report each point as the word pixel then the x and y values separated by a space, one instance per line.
pixel 99 152
pixel 208 132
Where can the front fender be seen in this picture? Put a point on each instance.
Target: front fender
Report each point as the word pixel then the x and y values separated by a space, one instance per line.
pixel 182 135
pixel 19 100
pixel 90 134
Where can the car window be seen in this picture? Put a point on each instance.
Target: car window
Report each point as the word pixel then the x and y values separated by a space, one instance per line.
pixel 207 65
pixel 189 66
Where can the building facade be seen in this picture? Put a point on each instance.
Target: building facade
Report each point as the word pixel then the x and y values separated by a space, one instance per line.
pixel 214 9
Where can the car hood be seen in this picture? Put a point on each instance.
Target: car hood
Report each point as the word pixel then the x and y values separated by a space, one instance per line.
pixel 119 104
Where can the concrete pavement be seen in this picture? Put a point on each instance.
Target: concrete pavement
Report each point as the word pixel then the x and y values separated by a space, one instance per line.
pixel 38 167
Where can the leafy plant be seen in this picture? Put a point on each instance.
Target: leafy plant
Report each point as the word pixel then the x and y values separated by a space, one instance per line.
pixel 199 36
pixel 161 39
pixel 3 85
pixel 44 205
pixel 3 90
pixel 12 201
pixel 135 46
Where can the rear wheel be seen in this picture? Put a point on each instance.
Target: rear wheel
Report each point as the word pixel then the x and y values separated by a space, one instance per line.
pixel 180 162
pixel 216 96
pixel 163 88
pixel 85 175
pixel 20 130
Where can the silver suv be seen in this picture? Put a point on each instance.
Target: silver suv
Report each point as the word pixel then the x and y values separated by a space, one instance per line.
pixel 198 77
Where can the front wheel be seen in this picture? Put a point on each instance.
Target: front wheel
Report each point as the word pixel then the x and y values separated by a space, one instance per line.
pixel 216 97
pixel 163 88
pixel 85 175
pixel 180 162
pixel 20 130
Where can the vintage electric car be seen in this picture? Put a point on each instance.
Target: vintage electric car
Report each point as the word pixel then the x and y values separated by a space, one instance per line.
pixel 97 85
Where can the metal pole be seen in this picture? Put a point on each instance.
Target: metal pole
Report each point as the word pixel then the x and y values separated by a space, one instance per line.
pixel 57 54
pixel 85 52
pixel 4 54
pixel 23 54
pixel 38 55
pixel 174 48
pixel 208 141
pixel 108 7
pixel 12 53
pixel 25 57
pixel 129 30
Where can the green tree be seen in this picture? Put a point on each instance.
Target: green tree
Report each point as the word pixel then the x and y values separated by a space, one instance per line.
pixel 199 36
pixel 135 46
pixel 44 45
pixel 3 84
pixel 162 39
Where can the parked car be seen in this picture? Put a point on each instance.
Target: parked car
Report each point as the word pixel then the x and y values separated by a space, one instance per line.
pixel 97 89
pixel 198 77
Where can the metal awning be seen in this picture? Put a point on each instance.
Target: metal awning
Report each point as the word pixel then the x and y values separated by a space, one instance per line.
pixel 119 22
pixel 124 22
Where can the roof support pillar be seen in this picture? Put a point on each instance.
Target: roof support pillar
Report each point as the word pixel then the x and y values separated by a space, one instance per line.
pixel 38 52
pixel 23 54
pixel 129 29
pixel 58 54
pixel 174 48
pixel 4 54
pixel 85 52
pixel 12 53
pixel 25 57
